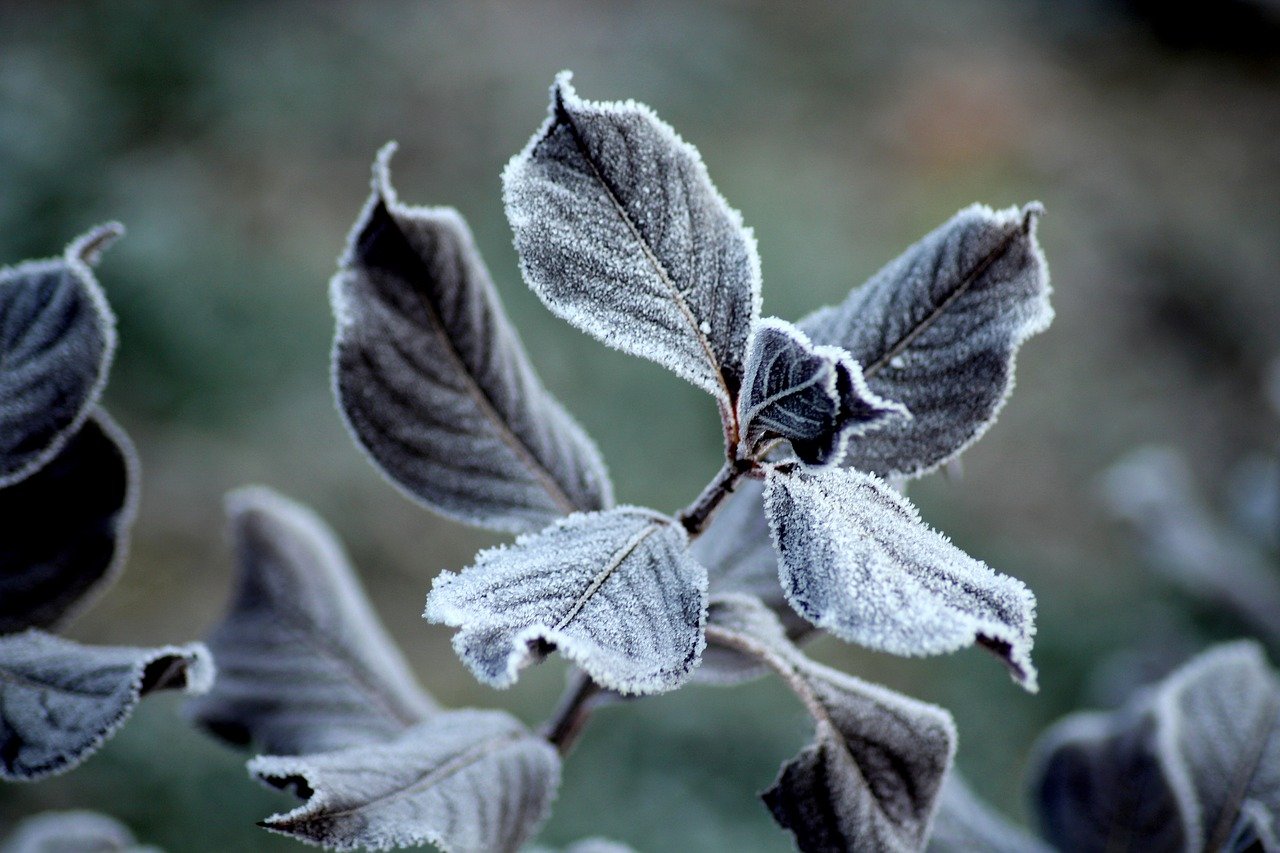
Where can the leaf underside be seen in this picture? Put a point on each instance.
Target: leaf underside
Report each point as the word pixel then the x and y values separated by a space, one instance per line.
pixel 938 330
pixel 615 592
pixel 463 780
pixel 621 233
pixel 856 561
pixel 50 571
pixel 434 382
pixel 303 663
pixel 60 700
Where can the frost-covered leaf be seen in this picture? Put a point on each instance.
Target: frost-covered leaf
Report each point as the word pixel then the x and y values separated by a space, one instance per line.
pixel 937 330
pixel 616 592
pixel 726 665
pixel 965 824
pixel 57 336
pixel 435 384
pixel 71 832
pixel 1254 832
pixel 49 570
pixel 60 700
pixel 463 780
pixel 814 397
pixel 621 233
pixel 1098 785
pixel 303 663
pixel 857 562
pixel 587 845
pixel 1219 731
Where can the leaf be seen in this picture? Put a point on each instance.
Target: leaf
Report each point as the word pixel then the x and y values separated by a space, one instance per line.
pixel 621 233
pixel 857 562
pixel 57 336
pixel 71 832
pixel 871 778
pixel 938 330
pixel 60 700
pixel 616 592
pixel 964 823
pixel 304 665
pixel 1098 785
pixel 813 397
pixel 462 780
pixel 725 665
pixel 50 571
pixel 1219 732
pixel 434 382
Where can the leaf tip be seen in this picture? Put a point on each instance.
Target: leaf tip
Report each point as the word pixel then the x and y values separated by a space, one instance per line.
pixel 89 247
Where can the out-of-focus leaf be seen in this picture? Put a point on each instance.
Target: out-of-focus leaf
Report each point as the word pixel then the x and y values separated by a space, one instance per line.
pixel 587 845
pixel 1098 785
pixel 60 700
pixel 435 384
pixel 303 663
pixel 57 336
pixel 71 832
pixel 814 397
pixel 463 780
pixel 621 233
pixel 1219 720
pixel 857 561
pixel 66 527
pixel 871 778
pixel 616 592
pixel 937 330
pixel 1254 832
pixel 965 824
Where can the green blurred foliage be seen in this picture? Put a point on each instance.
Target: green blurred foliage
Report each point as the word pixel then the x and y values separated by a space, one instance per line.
pixel 234 140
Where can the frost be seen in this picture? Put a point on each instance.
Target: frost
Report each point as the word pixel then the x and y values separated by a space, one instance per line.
pixel 304 665
pixel 616 592
pixel 434 382
pixel 72 832
pixel 813 397
pixel 871 778
pixel 57 337
pixel 50 570
pixel 467 781
pixel 856 561
pixel 964 824
pixel 621 232
pixel 60 700
pixel 938 330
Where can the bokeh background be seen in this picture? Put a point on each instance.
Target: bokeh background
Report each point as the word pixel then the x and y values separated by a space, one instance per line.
pixel 235 140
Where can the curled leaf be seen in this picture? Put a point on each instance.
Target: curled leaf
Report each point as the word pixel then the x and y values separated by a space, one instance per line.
pixel 49 571
pixel 621 233
pixel 938 330
pixel 434 382
pixel 462 780
pixel 813 397
pixel 60 700
pixel 616 592
pixel 57 337
pixel 71 832
pixel 303 663
pixel 857 561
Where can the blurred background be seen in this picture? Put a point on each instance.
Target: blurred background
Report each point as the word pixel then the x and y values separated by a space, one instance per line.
pixel 235 139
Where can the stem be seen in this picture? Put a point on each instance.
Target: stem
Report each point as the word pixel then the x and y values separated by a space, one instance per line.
pixel 778 663
pixel 697 515
pixel 563 730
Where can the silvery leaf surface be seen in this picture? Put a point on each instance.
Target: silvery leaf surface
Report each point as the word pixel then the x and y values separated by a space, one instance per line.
pixel 813 397
pixel 856 561
pixel 726 665
pixel 435 384
pixel 872 776
pixel 466 781
pixel 303 663
pixel 57 337
pixel 938 330
pixel 621 233
pixel 49 571
pixel 964 823
pixel 74 831
pixel 60 700
pixel 1219 732
pixel 1097 784
pixel 615 592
